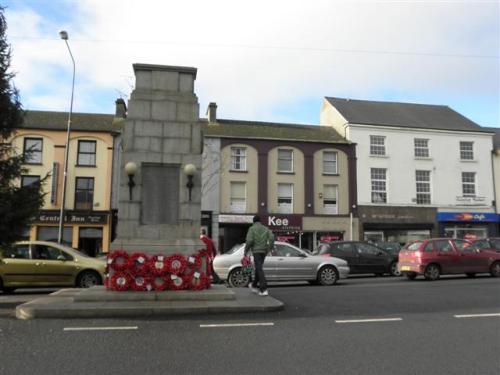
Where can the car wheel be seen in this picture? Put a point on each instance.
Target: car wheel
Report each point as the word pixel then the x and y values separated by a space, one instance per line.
pixel 432 272
pixel 411 275
pixel 471 274
pixel 88 279
pixel 328 275
pixel 394 269
pixel 495 269
pixel 238 279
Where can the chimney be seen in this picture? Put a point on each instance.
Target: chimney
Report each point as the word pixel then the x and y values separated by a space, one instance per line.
pixel 121 108
pixel 212 113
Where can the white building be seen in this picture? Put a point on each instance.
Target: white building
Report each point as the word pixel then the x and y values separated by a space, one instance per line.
pixel 422 170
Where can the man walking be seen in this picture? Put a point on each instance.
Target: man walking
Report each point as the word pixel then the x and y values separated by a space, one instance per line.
pixel 259 241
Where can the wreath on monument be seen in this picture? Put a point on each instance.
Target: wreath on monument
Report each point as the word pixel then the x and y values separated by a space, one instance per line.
pixel 118 260
pixel 141 283
pixel 120 281
pixel 176 264
pixel 160 283
pixel 178 282
pixel 158 265
pixel 194 262
pixel 197 280
pixel 139 263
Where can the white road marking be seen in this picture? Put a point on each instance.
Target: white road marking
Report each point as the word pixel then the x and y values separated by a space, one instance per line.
pixel 369 320
pixel 476 315
pixel 235 325
pixel 98 328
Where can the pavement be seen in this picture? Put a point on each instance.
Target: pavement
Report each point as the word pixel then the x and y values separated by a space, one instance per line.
pixel 97 302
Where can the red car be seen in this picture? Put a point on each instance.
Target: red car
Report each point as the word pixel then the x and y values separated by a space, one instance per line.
pixel 440 256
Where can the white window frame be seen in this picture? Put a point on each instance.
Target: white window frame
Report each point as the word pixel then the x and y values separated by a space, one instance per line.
pixel 423 186
pixel 378 181
pixel 238 158
pixel 466 150
pixel 377 145
pixel 237 203
pixel 286 204
pixel 333 162
pixel 330 202
pixel 285 159
pixel 421 147
pixel 469 184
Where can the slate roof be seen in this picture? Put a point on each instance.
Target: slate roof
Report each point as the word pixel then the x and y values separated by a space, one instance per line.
pixel 496 138
pixel 93 122
pixel 268 130
pixel 407 115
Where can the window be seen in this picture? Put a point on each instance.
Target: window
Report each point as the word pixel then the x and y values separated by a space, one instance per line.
pixel 285 160
pixel 443 246
pixel 329 162
pixel 423 179
pixel 238 200
pixel 45 252
pixel 84 193
pixel 285 198
pixel 367 249
pixel 286 251
pixel 379 193
pixel 17 252
pixel 33 181
pixel 468 184
pixel 377 145
pixel 86 153
pixel 466 151
pixel 330 199
pixel 421 148
pixel 33 150
pixel 238 159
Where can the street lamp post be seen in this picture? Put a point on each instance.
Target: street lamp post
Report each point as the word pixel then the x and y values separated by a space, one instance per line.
pixel 64 36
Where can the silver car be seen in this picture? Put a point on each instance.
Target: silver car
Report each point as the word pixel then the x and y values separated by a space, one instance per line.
pixel 285 263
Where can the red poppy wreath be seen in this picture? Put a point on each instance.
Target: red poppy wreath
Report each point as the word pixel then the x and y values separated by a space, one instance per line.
pixel 118 260
pixel 176 264
pixel 120 281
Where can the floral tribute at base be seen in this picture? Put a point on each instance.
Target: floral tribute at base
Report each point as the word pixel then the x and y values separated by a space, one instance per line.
pixel 140 272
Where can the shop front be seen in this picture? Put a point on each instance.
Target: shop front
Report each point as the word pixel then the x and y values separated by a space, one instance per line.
pixel 468 225
pixel 88 232
pixel 232 230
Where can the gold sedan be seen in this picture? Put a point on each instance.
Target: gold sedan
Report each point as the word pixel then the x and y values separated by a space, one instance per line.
pixel 39 263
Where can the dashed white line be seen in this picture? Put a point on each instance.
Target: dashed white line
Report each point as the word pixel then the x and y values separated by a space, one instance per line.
pixel 476 315
pixel 369 320
pixel 235 325
pixel 99 328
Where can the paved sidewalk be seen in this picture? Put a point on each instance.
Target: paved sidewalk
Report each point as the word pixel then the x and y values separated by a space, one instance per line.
pixel 99 303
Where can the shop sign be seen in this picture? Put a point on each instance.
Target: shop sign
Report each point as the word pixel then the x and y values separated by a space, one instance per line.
pixel 71 218
pixel 283 222
pixel 467 216
pixel 242 219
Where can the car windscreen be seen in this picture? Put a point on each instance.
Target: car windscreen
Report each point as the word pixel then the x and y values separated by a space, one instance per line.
pixel 413 246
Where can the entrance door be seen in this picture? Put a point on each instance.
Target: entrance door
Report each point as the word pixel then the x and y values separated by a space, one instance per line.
pixel 90 241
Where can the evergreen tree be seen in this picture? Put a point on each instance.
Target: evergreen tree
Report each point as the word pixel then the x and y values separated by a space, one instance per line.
pixel 17 204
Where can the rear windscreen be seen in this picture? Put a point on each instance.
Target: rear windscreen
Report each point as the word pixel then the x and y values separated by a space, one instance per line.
pixel 413 246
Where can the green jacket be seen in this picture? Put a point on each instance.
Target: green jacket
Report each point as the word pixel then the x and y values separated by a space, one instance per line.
pixel 259 239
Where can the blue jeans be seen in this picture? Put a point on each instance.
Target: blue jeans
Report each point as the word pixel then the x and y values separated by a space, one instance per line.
pixel 260 278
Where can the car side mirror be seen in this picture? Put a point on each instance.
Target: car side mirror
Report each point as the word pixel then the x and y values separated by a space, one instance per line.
pixel 61 257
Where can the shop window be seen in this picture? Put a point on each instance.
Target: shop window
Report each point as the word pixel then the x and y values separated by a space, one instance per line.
pixel 52 234
pixel 378 184
pixel 468 184
pixel 84 193
pixel 238 201
pixel 466 151
pixel 238 159
pixel 421 148
pixel 285 198
pixel 32 153
pixel 330 162
pixel 285 160
pixel 330 193
pixel 377 145
pixel 423 180
pixel 86 153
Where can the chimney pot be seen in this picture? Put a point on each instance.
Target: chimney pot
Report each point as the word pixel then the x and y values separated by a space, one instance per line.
pixel 212 113
pixel 121 108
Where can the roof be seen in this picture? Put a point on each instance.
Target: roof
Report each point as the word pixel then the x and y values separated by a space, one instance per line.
pixel 407 115
pixel 496 137
pixel 93 122
pixel 269 130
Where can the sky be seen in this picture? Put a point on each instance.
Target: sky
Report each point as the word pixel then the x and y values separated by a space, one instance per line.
pixel 262 60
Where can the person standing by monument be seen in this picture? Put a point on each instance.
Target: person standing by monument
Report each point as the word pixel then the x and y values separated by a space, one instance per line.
pixel 212 252
pixel 259 241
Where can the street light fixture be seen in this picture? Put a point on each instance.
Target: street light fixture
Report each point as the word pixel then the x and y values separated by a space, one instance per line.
pixel 64 36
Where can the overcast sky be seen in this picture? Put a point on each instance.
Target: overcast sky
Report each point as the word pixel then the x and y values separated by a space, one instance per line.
pixel 264 60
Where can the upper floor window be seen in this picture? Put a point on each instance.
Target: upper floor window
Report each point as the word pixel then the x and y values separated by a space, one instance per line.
pixel 238 200
pixel 466 151
pixel 423 180
pixel 86 153
pixel 329 162
pixel 469 184
pixel 285 160
pixel 379 188
pixel 421 148
pixel 30 181
pixel 330 206
pixel 377 145
pixel 33 150
pixel 238 159
pixel 285 198
pixel 84 193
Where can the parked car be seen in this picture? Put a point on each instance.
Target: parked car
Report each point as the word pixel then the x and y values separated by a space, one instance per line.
pixel 362 257
pixel 285 263
pixel 440 256
pixel 487 243
pixel 39 263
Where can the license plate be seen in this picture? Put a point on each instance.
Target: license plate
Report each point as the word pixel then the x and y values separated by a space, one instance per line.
pixel 405 268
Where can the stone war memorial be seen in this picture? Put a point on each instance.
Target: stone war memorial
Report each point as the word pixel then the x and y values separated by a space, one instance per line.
pixel 157 245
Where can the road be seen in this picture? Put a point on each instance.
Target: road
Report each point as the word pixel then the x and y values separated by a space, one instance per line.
pixel 364 325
